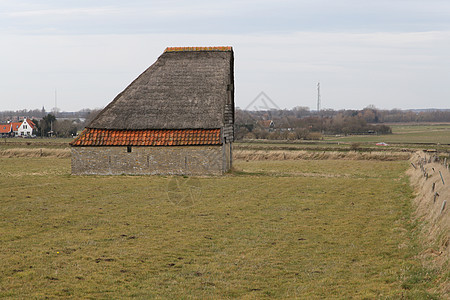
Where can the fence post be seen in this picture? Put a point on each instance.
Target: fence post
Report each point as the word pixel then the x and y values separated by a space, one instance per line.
pixel 436 194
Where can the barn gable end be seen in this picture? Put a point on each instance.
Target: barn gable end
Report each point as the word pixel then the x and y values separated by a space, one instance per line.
pixel 177 117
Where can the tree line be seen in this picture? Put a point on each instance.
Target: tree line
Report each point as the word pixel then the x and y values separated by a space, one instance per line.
pixel 49 125
pixel 54 124
pixel 296 123
pixel 301 123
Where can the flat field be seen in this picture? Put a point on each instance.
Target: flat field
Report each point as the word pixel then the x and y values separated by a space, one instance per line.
pixel 33 143
pixel 284 229
pixel 404 134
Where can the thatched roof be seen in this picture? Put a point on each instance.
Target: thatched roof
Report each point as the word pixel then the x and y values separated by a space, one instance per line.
pixel 184 88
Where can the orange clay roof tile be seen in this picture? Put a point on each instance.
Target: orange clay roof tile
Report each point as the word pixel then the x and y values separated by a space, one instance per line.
pixel 178 49
pixel 150 137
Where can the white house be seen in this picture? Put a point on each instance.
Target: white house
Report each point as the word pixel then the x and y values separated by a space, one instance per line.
pixel 24 128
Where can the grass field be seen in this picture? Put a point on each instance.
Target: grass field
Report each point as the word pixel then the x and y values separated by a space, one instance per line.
pixel 405 136
pixel 51 143
pixel 307 229
pixel 405 133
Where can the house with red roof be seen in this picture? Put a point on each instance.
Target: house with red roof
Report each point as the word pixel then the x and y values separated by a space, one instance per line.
pixel 177 117
pixel 15 127
pixel 22 128
pixel 268 125
pixel 26 128
pixel 5 130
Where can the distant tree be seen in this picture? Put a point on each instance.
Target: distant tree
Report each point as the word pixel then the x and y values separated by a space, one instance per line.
pixel 240 132
pixel 65 128
pixel 91 116
pixel 46 124
pixel 37 128
pixel 301 133
pixel 315 136
pixel 260 133
pixel 370 115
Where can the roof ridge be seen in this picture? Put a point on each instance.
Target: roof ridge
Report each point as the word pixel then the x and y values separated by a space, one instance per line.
pixel 192 49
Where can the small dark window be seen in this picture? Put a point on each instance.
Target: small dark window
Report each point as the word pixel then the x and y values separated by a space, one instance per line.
pixel 129 149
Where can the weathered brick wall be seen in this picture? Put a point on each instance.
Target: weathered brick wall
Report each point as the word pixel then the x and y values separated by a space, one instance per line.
pixel 189 160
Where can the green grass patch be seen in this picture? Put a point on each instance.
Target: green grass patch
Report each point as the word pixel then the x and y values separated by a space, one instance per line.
pixel 284 229
pixel 403 134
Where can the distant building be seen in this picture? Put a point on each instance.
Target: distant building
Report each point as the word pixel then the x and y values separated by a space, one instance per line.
pixel 15 128
pixel 268 125
pixel 19 129
pixel 5 130
pixel 26 128
pixel 175 118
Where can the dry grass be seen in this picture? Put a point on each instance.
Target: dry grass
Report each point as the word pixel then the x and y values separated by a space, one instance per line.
pixel 433 217
pixel 263 232
pixel 35 152
pixel 249 155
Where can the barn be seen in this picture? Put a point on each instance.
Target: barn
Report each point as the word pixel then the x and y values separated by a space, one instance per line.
pixel 177 117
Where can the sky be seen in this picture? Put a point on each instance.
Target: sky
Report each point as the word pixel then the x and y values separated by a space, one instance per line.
pixel 81 54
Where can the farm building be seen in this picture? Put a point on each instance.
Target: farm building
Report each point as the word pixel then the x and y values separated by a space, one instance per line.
pixel 177 117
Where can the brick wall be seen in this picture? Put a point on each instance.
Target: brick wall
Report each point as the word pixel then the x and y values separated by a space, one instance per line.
pixel 189 160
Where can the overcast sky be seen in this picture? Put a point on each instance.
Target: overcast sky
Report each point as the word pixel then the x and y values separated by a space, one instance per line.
pixel 387 53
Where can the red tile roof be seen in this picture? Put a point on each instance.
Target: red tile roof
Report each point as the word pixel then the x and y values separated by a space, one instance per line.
pixel 5 128
pixel 149 137
pixel 31 123
pixel 15 125
pixel 265 123
pixel 176 49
